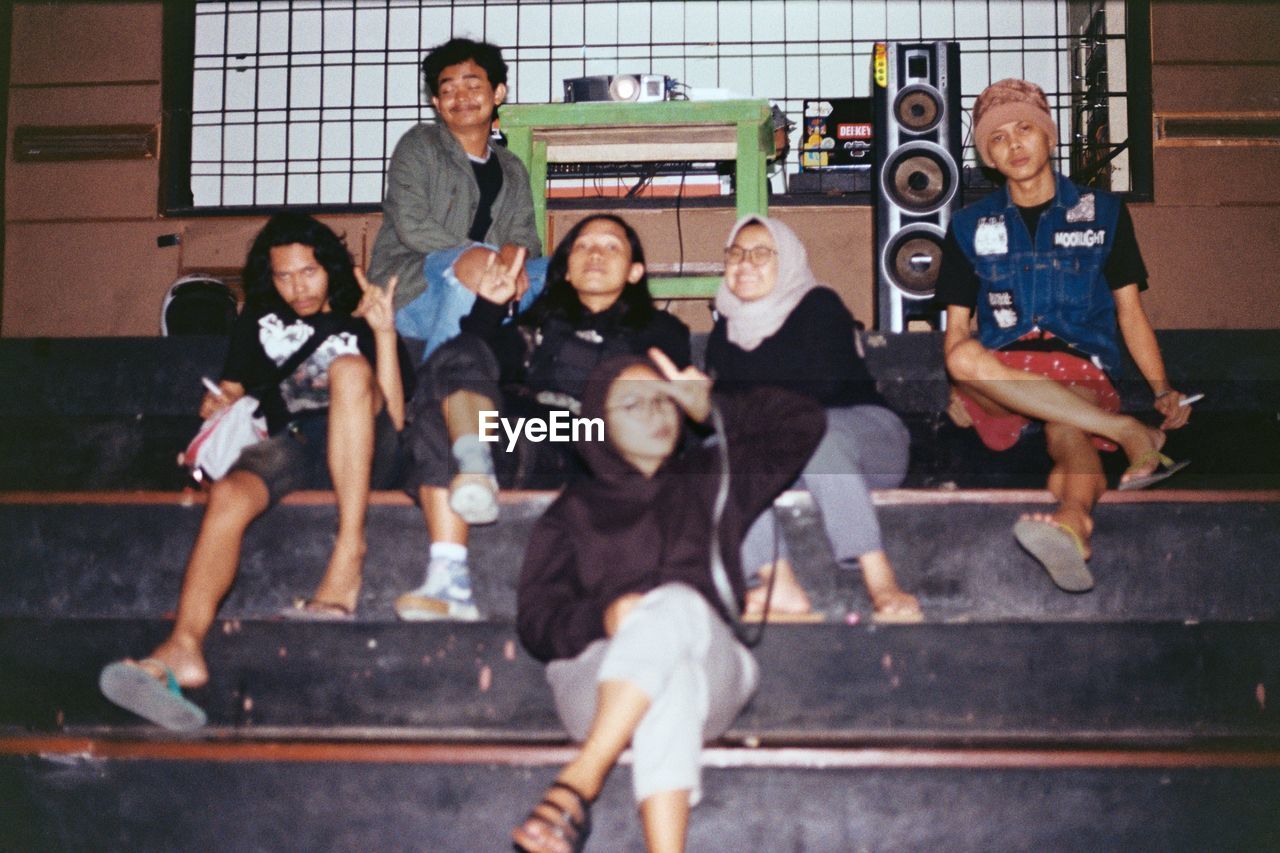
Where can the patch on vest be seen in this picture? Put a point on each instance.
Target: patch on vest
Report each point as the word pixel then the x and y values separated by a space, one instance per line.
pixel 1086 239
pixel 1084 211
pixel 991 238
pixel 1002 310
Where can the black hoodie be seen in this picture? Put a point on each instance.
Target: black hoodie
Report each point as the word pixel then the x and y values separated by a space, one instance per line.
pixel 620 532
pixel 558 353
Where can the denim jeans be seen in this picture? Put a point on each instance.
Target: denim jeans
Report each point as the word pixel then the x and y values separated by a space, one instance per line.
pixel 434 317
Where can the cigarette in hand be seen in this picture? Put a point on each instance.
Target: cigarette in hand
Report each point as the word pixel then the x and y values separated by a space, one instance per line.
pixel 1194 398
pixel 213 387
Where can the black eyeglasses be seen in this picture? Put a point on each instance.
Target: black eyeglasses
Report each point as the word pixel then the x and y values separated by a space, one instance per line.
pixel 758 255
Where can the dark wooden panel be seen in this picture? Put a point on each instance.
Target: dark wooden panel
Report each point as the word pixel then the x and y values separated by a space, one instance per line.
pixel 1210 266
pixel 1215 31
pixel 86 278
pixel 72 43
pixel 1223 88
pixel 1215 177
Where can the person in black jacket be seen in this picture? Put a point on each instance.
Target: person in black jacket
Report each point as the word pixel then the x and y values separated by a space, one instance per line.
pixel 777 326
pixel 497 374
pixel 619 592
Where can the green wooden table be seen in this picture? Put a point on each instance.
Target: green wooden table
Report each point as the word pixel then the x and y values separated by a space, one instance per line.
pixel 661 131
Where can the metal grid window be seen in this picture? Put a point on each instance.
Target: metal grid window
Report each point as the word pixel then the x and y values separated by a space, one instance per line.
pixel 300 102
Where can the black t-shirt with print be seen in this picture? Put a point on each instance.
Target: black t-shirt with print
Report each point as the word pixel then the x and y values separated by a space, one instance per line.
pixel 958 281
pixel 262 341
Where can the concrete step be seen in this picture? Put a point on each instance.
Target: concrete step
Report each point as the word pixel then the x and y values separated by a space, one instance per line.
pixel 112 413
pixel 138 452
pixel 95 452
pixel 1055 684
pixel 1169 555
pixel 1228 450
pixel 1238 369
pixel 119 795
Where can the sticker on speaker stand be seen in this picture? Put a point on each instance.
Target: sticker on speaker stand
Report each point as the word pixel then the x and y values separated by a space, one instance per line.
pixel 991 238
pixel 1002 310
pixel 1084 211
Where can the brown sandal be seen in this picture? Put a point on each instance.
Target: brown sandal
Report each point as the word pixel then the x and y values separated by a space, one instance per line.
pixel 561 822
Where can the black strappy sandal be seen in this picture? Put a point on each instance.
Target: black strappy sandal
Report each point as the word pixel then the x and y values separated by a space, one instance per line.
pixel 560 821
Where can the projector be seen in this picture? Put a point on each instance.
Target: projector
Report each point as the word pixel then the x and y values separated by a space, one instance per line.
pixel 617 87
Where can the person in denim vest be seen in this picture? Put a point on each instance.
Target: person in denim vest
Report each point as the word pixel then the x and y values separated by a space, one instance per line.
pixel 1050 271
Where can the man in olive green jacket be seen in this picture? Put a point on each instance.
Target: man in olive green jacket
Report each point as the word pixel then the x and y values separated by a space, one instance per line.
pixel 456 206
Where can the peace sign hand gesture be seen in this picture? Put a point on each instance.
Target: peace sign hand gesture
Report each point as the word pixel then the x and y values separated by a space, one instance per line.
pixel 689 388
pixel 499 283
pixel 377 304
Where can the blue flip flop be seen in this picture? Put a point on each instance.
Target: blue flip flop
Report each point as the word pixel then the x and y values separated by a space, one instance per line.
pixel 135 689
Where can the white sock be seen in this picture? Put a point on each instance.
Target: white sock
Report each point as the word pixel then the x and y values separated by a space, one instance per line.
pixel 472 455
pixel 449 551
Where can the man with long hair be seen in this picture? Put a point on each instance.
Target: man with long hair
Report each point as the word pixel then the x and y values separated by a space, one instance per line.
pixel 333 421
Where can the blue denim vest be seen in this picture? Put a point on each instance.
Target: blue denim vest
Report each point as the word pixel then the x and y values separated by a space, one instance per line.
pixel 1058 285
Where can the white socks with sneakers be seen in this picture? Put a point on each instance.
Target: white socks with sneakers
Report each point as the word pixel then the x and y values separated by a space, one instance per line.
pixel 449 551
pixel 472 455
pixel 473 495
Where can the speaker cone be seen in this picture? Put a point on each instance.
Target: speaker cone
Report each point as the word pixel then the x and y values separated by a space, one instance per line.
pixel 918 109
pixel 913 259
pixel 920 177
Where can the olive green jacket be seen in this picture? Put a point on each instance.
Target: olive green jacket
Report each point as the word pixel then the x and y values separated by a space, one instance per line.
pixel 431 201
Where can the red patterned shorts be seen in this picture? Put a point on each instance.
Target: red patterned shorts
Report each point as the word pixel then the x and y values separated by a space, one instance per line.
pixel 1000 432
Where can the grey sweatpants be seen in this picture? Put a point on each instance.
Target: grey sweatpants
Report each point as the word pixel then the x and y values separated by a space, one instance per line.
pixel 697 676
pixel 864 448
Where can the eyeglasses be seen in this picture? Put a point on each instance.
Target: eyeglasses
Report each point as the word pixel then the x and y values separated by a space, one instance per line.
pixel 758 255
pixel 636 407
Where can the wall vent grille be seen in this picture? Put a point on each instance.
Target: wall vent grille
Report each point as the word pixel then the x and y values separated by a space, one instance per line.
pixel 32 143
pixel 1210 129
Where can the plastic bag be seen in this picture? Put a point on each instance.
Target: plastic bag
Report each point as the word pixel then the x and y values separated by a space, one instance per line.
pixel 222 437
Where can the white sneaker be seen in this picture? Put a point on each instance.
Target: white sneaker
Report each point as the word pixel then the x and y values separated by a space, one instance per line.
pixel 446 594
pixel 474 497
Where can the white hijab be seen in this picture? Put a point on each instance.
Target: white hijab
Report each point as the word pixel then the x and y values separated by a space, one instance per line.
pixel 749 323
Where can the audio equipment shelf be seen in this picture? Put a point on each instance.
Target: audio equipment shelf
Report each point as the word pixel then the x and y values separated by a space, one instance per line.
pixel 659 131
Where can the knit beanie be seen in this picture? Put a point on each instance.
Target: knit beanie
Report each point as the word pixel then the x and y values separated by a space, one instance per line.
pixel 1010 100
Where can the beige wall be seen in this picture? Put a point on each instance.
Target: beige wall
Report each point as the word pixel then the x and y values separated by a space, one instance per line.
pixel 1209 238
pixel 81 255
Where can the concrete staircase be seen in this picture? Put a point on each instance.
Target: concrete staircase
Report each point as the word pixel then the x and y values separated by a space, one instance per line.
pixel 1140 716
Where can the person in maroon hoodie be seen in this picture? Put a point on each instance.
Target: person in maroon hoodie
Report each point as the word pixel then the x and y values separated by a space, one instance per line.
pixel 619 595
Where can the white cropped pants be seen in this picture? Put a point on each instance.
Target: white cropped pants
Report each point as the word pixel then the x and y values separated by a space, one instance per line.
pixel 682 655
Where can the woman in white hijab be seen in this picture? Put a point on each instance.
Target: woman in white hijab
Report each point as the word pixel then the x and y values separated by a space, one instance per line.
pixel 776 325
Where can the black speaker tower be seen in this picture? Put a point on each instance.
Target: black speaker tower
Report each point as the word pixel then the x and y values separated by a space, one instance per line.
pixel 916 89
